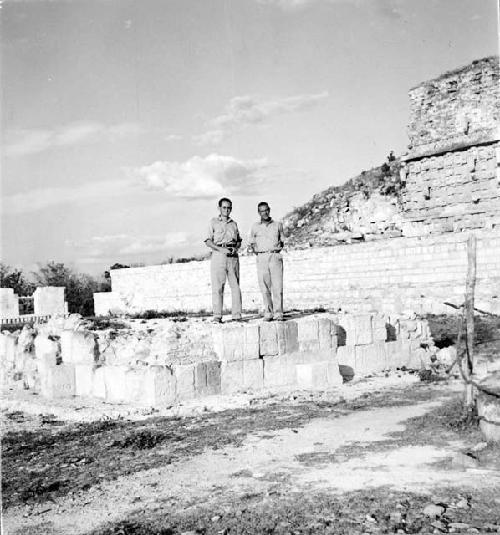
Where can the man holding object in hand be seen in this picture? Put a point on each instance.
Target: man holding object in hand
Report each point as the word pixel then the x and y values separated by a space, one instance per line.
pixel 224 239
pixel 266 241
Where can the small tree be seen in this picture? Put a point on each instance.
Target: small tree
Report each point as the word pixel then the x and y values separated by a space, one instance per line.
pixel 14 278
pixel 80 287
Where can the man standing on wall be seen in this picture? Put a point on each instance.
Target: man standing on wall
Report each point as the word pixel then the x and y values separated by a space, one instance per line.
pixel 224 239
pixel 266 241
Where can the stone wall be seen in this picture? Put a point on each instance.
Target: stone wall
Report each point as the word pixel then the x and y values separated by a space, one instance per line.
pixel 47 301
pixel 460 107
pixel 452 171
pixel 162 362
pixel 9 303
pixel 394 275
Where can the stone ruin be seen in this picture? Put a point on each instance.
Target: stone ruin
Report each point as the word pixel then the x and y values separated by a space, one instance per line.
pixel 451 176
pixel 47 301
pixel 162 363
pixel 452 168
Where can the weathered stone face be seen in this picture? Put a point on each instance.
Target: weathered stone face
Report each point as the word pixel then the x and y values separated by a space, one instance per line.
pixel 452 167
pixel 9 303
pixel 458 106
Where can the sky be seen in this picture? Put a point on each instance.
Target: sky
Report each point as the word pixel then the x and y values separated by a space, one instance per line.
pixel 123 122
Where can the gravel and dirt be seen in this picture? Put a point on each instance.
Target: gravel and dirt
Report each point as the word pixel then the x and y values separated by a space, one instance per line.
pixel 385 454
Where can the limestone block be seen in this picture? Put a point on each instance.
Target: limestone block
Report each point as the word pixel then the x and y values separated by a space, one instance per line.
pixel 8 348
pixel 151 386
pixel 273 371
pixel 83 379
pixel 318 375
pixel 31 376
pixel 184 381
pixel 9 303
pixel 45 346
pixel 236 342
pixel 135 381
pixel 279 370
pixel 43 365
pixel 313 356
pixel 327 334
pixel 307 329
pixel 26 340
pixel 312 376
pixel 99 383
pixel 393 354
pixel 207 378
pixel 406 353
pixel 116 387
pixel 370 358
pixel 488 407
pixel 278 338
pixel 419 358
pixel 49 300
pixel 268 339
pixel 78 347
pixel 346 356
pixel 333 372
pixel 231 376
pixel 379 329
pixel 253 374
pixel 309 345
pixel 358 329
pixel 397 354
pixel 59 381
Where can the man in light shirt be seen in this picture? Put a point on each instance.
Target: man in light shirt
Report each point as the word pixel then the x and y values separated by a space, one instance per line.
pixel 223 237
pixel 266 241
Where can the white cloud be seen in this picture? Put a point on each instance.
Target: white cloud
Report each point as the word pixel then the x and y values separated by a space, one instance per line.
pixel 207 177
pixel 25 142
pixel 386 8
pixel 39 199
pixel 174 137
pixel 114 245
pixel 243 111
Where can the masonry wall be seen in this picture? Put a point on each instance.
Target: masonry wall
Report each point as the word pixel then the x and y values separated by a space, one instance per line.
pixel 394 275
pixel 456 190
pixel 452 170
pixel 460 107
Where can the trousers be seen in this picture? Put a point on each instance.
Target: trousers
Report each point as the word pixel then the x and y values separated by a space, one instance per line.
pixel 270 277
pixel 224 267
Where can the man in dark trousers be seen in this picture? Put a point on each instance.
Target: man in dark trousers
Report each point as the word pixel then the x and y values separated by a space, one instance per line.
pixel 266 241
pixel 223 237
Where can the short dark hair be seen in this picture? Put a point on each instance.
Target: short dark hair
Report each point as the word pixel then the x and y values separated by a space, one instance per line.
pixel 225 199
pixel 262 203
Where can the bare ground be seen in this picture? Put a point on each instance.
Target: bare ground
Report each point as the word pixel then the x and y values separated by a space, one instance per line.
pixel 352 461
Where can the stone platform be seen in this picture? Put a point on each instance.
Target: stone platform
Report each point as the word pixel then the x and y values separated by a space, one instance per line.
pixel 160 363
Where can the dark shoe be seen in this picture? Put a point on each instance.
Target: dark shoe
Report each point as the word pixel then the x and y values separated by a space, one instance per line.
pixel 267 318
pixel 216 320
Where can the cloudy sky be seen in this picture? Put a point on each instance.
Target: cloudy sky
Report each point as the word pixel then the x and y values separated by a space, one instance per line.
pixel 124 121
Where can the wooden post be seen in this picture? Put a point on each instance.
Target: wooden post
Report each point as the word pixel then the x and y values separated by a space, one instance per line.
pixel 469 320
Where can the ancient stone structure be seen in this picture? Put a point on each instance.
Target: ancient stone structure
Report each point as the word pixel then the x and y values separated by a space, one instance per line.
pixel 162 362
pixel 452 178
pixel 452 171
pixel 401 274
pixel 9 303
pixel 47 301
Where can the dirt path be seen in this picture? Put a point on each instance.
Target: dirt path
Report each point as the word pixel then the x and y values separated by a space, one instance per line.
pixel 312 458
